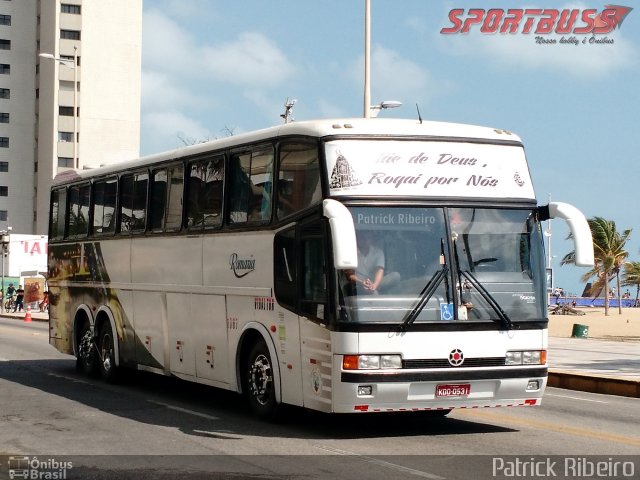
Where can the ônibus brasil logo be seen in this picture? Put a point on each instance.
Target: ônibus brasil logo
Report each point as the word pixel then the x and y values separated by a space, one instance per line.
pixel 538 21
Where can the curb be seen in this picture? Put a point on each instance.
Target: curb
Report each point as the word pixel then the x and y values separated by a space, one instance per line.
pixel 592 384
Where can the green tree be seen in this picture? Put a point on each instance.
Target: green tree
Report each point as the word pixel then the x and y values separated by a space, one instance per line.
pixel 631 277
pixel 609 255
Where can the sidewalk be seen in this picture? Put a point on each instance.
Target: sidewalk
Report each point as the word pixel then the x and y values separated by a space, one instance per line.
pixel 589 365
pixel 598 366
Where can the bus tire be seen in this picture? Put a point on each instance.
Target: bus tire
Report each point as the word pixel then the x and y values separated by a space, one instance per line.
pixel 259 386
pixel 87 357
pixel 107 354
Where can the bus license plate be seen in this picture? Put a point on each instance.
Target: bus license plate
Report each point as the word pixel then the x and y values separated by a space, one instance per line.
pixel 458 390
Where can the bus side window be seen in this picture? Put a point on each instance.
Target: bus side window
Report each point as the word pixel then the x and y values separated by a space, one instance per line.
pixel 313 298
pixel 298 178
pixel 104 206
pixel 173 213
pixel 250 186
pixel 78 225
pixel 285 268
pixel 133 202
pixel 205 193
pixel 158 200
pixel 165 213
pixel 58 213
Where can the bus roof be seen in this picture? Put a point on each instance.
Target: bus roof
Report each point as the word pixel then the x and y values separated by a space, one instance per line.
pixel 344 127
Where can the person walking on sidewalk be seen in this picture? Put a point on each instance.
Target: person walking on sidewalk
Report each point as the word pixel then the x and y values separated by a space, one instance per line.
pixel 19 299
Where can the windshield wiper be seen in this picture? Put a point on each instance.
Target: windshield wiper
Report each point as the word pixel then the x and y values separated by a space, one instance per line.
pixel 425 295
pixel 489 298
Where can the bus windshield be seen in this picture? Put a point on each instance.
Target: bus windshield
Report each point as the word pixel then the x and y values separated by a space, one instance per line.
pixel 463 264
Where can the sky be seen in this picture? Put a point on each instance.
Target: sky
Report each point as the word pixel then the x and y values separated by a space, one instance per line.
pixel 211 68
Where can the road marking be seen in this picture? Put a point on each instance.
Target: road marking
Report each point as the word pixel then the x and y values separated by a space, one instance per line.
pixel 71 379
pixel 382 463
pixel 184 410
pixel 574 398
pixel 554 427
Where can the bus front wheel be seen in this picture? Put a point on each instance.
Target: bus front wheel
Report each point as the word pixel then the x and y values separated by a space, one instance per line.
pixel 259 386
pixel 107 355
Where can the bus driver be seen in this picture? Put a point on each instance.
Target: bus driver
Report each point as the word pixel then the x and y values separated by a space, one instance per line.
pixel 370 264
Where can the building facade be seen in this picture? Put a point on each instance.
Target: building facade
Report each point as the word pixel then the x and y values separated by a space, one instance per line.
pixel 70 75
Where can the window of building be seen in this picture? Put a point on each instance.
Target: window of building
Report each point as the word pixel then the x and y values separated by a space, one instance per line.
pixel 4 118
pixel 65 162
pixel 206 181
pixel 67 8
pixel 5 44
pixel 65 111
pixel 65 136
pixel 5 93
pixel 5 19
pixel 4 191
pixel 70 34
pixel 4 142
pixel 5 69
pixel 4 216
pixel 4 166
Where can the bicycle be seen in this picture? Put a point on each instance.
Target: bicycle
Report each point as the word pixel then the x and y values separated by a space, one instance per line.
pixel 10 304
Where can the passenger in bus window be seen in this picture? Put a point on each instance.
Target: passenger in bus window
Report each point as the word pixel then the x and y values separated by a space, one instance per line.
pixel 371 262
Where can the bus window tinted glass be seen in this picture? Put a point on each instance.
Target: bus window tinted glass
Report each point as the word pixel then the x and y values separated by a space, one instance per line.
pixel 78 210
pixel 166 200
pixel 206 182
pixel 298 178
pixel 58 210
pixel 251 178
pixel 104 206
pixel 133 202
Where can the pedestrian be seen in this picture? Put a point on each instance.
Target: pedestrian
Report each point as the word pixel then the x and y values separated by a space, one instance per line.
pixel 19 299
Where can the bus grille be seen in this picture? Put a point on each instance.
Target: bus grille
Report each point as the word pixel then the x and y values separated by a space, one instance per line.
pixel 444 363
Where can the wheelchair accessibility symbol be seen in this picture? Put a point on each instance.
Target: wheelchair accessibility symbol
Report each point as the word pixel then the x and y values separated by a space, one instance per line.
pixel 446 311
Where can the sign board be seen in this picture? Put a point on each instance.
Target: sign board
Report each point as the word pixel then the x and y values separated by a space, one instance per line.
pixel 428 169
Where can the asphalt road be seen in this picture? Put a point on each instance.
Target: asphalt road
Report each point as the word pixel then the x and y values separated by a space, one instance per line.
pixel 150 426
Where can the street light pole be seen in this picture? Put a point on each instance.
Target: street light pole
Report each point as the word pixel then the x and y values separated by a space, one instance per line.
pixel 367 58
pixel 66 61
pixel 75 107
pixel 4 244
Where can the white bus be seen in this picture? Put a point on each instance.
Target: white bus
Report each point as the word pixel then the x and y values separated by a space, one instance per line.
pixel 241 263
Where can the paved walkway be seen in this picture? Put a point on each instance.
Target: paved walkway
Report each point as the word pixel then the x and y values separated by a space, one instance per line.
pixel 600 366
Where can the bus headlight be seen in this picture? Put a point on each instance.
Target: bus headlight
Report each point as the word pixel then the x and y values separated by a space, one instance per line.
pixel 526 357
pixel 371 362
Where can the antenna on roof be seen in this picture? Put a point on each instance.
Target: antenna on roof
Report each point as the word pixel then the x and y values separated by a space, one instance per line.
pixel 288 106
pixel 419 116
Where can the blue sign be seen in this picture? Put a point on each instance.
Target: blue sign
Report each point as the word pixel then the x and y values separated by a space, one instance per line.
pixel 446 311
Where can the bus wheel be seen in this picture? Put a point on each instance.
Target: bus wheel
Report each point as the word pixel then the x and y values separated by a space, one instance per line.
pixel 107 355
pixel 259 387
pixel 87 359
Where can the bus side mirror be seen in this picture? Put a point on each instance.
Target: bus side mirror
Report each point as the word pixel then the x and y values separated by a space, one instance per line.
pixel 582 238
pixel 343 234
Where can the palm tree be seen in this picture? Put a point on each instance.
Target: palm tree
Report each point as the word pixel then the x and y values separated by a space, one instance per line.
pixel 631 277
pixel 609 254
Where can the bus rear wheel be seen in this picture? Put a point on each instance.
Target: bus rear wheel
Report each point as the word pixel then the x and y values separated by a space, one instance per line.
pixel 87 359
pixel 259 386
pixel 107 354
